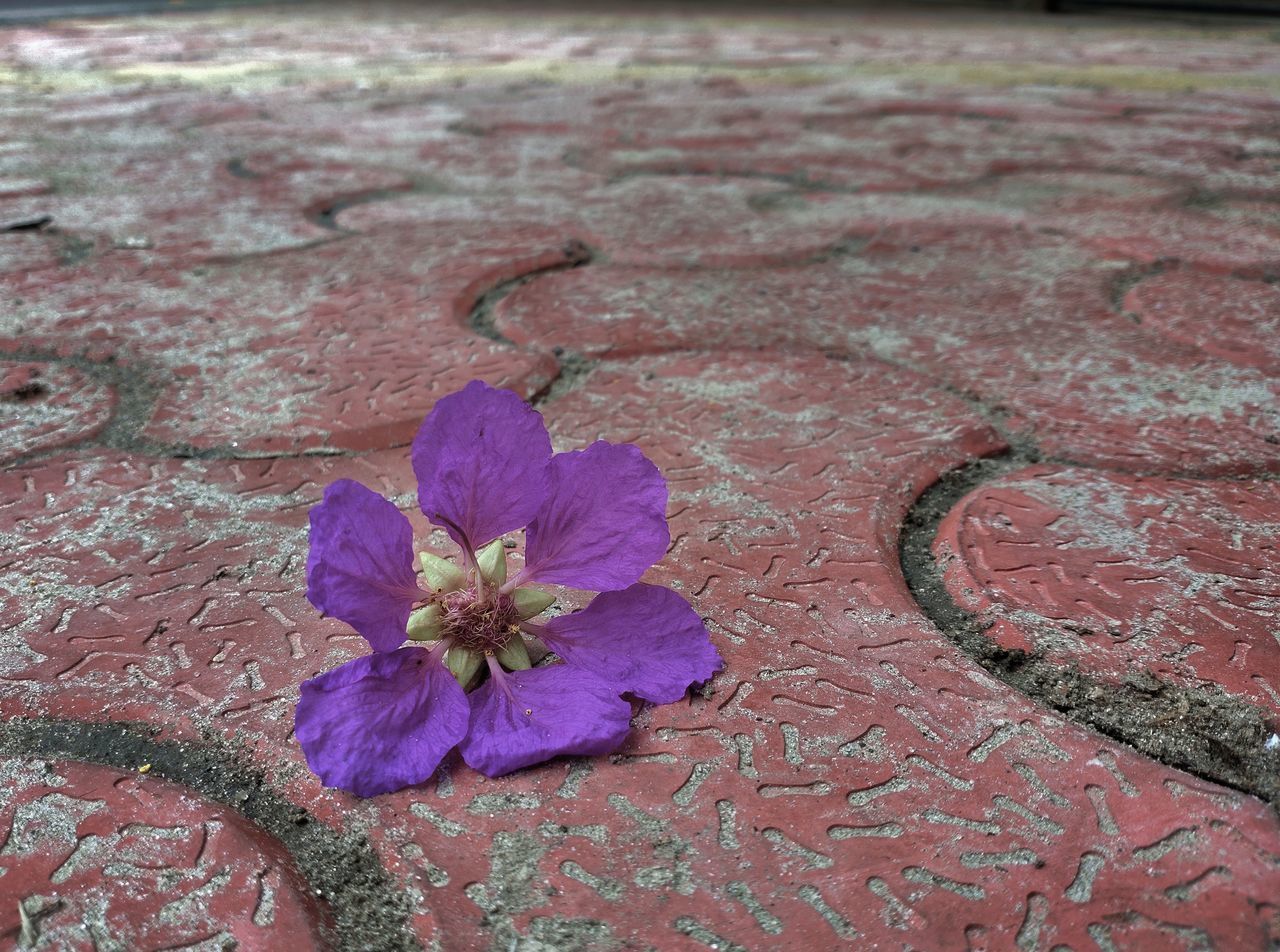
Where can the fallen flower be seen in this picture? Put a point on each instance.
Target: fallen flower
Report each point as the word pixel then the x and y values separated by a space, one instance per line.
pixel 593 519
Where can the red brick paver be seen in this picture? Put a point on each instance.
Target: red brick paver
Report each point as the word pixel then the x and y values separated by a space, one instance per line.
pixel 811 265
pixel 45 404
pixel 1229 318
pixel 1122 575
pixel 851 778
pixel 98 858
pixel 298 350
pixel 1019 318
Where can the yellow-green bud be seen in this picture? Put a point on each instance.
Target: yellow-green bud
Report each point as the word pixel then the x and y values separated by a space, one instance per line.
pixel 514 656
pixel 531 601
pixel 492 561
pixel 441 575
pixel 463 663
pixel 425 623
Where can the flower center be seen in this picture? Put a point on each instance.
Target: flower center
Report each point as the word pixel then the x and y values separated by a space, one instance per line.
pixel 481 625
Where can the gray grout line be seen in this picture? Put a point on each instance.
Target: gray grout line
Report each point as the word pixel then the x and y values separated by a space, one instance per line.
pixel 481 319
pixel 136 387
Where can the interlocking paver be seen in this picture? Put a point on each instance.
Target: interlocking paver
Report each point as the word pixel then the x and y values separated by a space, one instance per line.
pixel 828 260
pixel 1021 319
pixel 784 527
pixel 850 778
pixel 1208 242
pixel 1045 192
pixel 1120 575
pixel 99 858
pixel 25 250
pixel 295 351
pixel 674 220
pixel 1233 319
pixel 44 404
pixel 167 592
pixel 175 203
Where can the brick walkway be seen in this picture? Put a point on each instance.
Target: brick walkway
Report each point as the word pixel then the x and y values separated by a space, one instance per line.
pixel 955 336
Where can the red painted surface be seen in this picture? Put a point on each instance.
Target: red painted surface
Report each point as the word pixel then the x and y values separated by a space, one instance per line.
pixel 848 760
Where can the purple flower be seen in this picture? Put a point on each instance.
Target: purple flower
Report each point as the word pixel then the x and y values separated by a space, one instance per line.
pixel 593 519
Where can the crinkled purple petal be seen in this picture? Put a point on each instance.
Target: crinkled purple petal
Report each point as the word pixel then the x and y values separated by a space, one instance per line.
pixel 381 722
pixel 604 521
pixel 360 567
pixel 481 458
pixel 645 639
pixel 550 711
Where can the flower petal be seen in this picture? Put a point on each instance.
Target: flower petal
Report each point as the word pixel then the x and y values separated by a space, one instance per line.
pixel 604 521
pixel 550 711
pixel 381 722
pixel 360 567
pixel 645 639
pixel 481 459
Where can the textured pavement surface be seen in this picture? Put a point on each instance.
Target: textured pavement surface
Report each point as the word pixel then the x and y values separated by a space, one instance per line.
pixel 954 334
